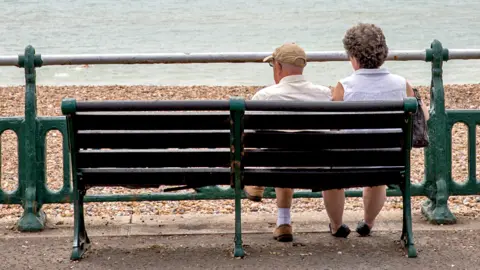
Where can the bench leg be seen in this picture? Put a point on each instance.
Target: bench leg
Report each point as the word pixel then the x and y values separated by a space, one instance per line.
pixel 407 231
pixel 238 250
pixel 81 243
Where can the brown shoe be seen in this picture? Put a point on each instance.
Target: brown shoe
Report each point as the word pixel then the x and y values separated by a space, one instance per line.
pixel 254 193
pixel 283 233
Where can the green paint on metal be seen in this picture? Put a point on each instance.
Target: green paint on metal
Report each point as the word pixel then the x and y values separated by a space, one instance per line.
pixel 445 54
pixel 437 163
pixel 237 112
pixel 21 61
pixel 69 106
pixel 428 55
pixel 471 118
pixel 46 124
pixel 218 193
pixel 38 60
pixel 407 231
pixel 33 218
pixel 237 104
pixel 81 242
pixel 410 105
pixel 14 124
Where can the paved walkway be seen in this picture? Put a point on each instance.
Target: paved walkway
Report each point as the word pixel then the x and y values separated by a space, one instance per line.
pixel 196 242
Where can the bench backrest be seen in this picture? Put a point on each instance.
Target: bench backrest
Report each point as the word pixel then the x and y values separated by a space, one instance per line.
pixel 326 145
pixel 320 145
pixel 140 143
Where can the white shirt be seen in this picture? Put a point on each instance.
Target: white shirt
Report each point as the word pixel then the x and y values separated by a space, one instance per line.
pixel 294 87
pixel 374 84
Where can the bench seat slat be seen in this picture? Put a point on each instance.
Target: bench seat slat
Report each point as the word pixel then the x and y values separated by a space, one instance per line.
pixel 252 157
pixel 323 179
pixel 318 178
pixel 154 177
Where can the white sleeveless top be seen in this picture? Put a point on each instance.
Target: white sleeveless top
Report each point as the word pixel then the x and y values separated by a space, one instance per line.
pixel 374 84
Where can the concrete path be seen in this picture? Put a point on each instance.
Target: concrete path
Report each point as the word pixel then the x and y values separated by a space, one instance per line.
pixel 206 241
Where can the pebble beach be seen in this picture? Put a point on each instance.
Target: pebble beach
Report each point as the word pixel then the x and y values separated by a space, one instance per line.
pixel 49 99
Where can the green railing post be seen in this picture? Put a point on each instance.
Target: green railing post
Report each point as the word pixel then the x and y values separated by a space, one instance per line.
pixel 33 218
pixel 437 167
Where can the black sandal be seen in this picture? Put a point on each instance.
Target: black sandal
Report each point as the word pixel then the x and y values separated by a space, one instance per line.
pixel 363 229
pixel 343 231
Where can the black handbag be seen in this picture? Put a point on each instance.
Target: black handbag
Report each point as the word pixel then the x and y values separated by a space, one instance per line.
pixel 420 129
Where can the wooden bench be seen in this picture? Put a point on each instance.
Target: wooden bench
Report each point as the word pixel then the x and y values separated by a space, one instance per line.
pixel 303 145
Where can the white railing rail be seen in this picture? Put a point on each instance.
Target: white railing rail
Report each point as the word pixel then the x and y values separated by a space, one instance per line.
pixel 219 57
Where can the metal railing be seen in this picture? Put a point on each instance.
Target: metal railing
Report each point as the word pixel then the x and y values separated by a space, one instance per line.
pixel 226 57
pixel 31 131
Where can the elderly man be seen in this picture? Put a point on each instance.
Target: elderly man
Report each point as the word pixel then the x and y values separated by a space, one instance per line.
pixel 288 62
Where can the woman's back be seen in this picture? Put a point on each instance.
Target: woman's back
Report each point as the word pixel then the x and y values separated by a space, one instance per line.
pixel 373 84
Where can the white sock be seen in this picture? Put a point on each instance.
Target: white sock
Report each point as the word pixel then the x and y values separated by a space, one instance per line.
pixel 283 216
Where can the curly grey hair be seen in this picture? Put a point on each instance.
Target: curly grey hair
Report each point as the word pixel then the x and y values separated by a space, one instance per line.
pixel 366 43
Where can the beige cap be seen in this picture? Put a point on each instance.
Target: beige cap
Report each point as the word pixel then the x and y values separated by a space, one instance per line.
pixel 289 53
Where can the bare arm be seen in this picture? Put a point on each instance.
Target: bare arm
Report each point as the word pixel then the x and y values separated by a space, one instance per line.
pixel 410 92
pixel 338 91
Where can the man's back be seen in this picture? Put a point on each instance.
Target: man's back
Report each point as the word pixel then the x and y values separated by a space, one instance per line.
pixel 287 62
pixel 294 87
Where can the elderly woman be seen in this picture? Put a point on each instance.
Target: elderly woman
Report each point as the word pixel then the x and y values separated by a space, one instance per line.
pixel 367 49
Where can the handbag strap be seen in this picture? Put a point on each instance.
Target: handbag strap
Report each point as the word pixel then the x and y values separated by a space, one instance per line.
pixel 417 96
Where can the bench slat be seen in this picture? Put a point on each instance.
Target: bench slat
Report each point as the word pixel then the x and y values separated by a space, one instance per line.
pixel 328 157
pixel 221 120
pixel 153 121
pixel 291 120
pixel 154 105
pixel 152 177
pixel 252 158
pixel 250 105
pixel 153 140
pixel 319 179
pixel 309 140
pixel 154 158
pixel 325 106
pixel 324 179
pixel 221 139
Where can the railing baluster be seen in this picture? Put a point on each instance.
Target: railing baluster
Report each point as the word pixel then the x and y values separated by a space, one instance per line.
pixel 436 181
pixel 472 155
pixel 33 218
